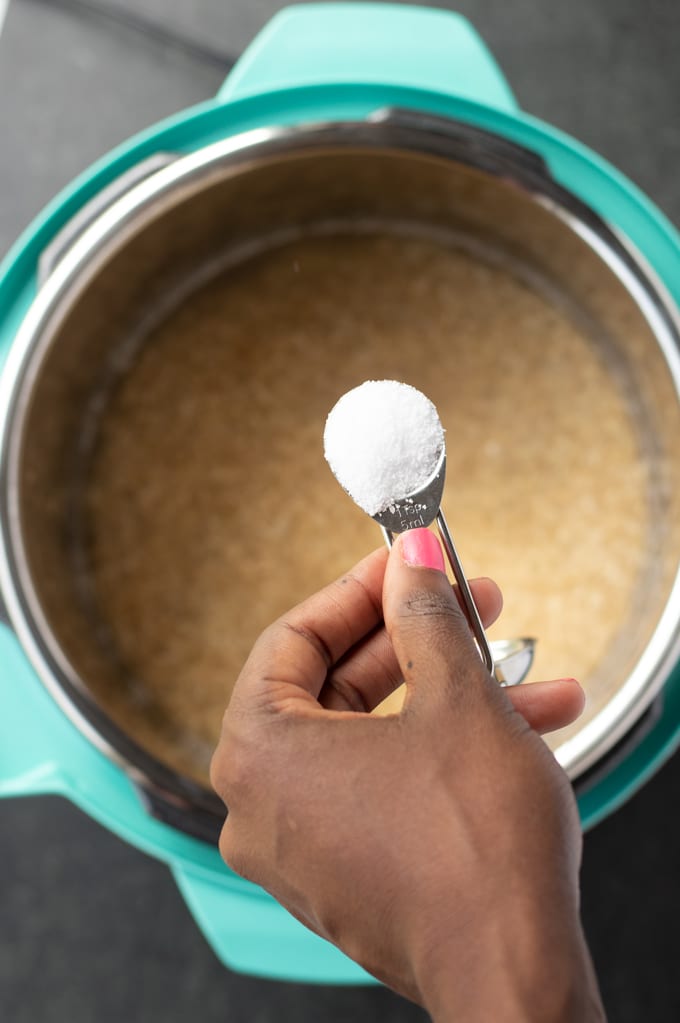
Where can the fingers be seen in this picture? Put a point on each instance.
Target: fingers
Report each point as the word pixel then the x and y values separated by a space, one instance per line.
pixel 547 706
pixel 332 647
pixel 429 632
pixel 364 678
pixel 487 597
pixel 370 672
pixel 302 646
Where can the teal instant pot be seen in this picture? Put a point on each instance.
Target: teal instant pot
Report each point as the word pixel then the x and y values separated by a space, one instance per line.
pixel 336 113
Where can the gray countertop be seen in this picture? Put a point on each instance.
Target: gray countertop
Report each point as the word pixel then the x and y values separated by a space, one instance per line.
pixel 91 929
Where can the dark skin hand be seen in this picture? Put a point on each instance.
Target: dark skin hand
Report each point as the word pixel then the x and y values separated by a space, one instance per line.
pixel 438 847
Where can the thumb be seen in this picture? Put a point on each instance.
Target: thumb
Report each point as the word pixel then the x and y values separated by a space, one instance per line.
pixel 430 635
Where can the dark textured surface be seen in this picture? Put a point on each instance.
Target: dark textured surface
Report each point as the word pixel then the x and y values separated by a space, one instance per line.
pixel 90 929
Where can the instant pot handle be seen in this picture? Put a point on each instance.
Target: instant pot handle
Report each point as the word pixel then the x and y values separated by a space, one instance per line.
pixel 43 753
pixel 354 43
pixel 26 764
pixel 250 932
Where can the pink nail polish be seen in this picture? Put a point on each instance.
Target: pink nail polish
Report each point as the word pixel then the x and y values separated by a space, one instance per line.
pixel 421 548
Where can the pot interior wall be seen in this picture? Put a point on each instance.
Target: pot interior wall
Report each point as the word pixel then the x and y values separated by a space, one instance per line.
pixel 173 492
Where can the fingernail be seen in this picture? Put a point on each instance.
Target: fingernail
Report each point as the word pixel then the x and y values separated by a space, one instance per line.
pixel 421 548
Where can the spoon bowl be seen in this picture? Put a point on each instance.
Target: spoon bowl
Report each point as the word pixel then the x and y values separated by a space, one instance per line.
pixel 418 509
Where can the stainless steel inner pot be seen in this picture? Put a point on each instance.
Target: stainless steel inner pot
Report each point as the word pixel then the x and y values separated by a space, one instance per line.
pixel 125 267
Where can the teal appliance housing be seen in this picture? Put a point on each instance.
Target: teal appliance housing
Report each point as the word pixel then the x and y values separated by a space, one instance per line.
pixel 313 67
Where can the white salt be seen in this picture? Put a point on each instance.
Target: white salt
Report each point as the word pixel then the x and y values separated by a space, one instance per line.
pixel 383 441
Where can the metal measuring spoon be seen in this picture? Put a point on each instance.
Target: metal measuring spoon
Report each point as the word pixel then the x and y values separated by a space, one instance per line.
pixel 513 659
pixel 509 661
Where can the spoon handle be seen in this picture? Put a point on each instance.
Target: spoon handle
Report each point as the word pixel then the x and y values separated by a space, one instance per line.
pixel 471 612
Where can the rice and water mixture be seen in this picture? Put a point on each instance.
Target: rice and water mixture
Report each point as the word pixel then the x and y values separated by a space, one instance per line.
pixel 212 509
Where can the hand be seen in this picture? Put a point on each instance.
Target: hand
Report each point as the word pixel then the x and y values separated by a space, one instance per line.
pixel 439 847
